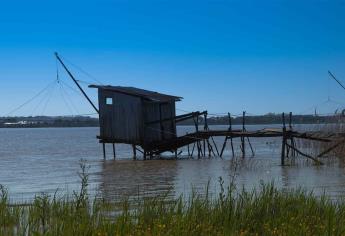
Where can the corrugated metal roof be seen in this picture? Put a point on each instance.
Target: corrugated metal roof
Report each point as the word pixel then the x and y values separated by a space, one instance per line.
pixel 149 95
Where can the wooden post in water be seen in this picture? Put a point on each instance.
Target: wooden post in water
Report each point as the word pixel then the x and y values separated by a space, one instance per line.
pixel 104 155
pixel 196 122
pixel 114 151
pixel 145 153
pixel 242 137
pixel 209 146
pixel 134 151
pixel 230 129
pixel 283 141
pixel 205 128
pixel 151 155
pixel 293 152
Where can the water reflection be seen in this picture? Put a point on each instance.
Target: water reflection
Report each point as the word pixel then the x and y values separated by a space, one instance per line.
pixel 137 178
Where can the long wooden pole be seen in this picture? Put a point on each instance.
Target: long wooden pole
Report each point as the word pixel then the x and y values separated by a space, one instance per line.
pixel 283 141
pixel 330 73
pixel 331 148
pixel 114 151
pixel 76 82
pixel 242 138
pixel 305 155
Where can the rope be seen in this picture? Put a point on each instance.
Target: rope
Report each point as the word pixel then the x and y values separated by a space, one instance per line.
pixel 44 97
pixel 81 70
pixel 51 95
pixel 71 88
pixel 64 99
pixel 69 99
pixel 31 99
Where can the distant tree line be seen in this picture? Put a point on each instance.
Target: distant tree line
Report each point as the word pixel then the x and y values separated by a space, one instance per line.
pixel 48 121
pixel 85 121
pixel 270 118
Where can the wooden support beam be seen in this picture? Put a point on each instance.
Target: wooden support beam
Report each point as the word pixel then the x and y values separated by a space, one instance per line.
pixel 193 150
pixel 114 151
pixel 242 138
pixel 209 148
pixel 215 146
pixel 104 155
pixel 282 158
pixel 331 148
pixel 145 153
pixel 230 129
pixel 223 147
pixel 308 137
pixel 134 152
pixel 178 118
pixel 306 155
pixel 251 147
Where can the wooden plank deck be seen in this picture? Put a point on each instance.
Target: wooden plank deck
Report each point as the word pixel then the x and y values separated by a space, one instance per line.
pixel 178 142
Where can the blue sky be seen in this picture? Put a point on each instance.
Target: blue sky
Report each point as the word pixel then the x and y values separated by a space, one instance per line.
pixel 223 56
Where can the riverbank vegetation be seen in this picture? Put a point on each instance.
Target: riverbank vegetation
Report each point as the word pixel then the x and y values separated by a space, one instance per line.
pixel 266 211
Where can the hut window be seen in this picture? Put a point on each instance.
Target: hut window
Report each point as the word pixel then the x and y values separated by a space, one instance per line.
pixel 109 101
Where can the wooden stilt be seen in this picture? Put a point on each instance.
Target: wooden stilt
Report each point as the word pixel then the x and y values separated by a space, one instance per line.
pixel 134 152
pixel 232 147
pixel 230 129
pixel 242 137
pixel 291 138
pixel 331 148
pixel 114 151
pixel 199 149
pixel 306 155
pixel 223 147
pixel 104 155
pixel 193 150
pixel 145 153
pixel 283 142
pixel 250 145
pixel 209 148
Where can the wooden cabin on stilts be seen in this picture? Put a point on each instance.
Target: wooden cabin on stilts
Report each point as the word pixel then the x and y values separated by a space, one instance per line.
pixel 135 116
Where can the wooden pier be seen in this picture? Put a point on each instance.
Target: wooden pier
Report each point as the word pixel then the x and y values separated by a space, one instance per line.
pixel 202 142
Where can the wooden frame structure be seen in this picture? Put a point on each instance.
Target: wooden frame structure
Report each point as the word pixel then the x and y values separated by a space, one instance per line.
pixel 148 120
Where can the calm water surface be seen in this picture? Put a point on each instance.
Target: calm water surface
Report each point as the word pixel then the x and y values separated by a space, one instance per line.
pixel 46 159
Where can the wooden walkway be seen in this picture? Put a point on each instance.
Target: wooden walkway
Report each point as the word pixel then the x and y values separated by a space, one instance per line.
pixel 203 140
pixel 191 138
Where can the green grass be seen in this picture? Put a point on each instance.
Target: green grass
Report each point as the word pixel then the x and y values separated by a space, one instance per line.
pixel 266 211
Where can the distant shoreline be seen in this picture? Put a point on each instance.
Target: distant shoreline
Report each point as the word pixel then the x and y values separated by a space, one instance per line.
pixel 85 121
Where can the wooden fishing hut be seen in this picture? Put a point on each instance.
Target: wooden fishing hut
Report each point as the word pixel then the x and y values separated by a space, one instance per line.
pixel 135 116
pixel 148 119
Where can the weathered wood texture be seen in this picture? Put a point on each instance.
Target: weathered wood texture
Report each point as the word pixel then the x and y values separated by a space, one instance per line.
pixel 165 113
pixel 120 120
pixel 127 119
